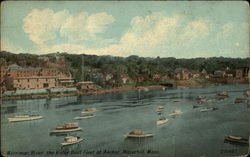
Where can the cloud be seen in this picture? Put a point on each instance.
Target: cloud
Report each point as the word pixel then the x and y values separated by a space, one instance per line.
pixel 46 25
pixel 41 25
pixel 237 44
pixel 226 31
pixel 156 33
pixel 147 35
pixel 84 27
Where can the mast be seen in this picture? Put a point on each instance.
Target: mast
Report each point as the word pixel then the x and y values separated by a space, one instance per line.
pixel 82 75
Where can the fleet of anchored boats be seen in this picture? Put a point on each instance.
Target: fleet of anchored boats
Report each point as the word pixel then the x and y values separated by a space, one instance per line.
pixel 88 113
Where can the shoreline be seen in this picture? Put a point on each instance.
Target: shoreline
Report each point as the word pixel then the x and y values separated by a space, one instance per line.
pixel 178 84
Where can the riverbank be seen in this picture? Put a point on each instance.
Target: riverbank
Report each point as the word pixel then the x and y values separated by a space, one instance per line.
pixel 177 84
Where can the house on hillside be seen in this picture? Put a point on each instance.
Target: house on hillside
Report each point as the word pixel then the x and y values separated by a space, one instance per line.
pixel 219 74
pixel 236 73
pixel 125 78
pixel 181 74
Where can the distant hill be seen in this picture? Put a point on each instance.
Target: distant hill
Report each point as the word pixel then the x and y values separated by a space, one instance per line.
pixel 133 66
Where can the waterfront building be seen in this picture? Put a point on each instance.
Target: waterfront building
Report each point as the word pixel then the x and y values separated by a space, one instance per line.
pixel 86 86
pixel 65 82
pixel 32 82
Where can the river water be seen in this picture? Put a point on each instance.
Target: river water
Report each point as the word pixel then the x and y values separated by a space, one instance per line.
pixel 192 133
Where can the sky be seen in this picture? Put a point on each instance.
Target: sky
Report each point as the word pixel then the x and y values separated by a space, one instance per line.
pixel 147 29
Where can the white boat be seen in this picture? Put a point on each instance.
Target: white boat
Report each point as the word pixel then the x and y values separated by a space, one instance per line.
pixel 208 109
pixel 138 134
pixel 71 140
pixel 175 112
pixel 67 127
pixel 162 121
pixel 89 110
pixel 24 118
pixel 84 117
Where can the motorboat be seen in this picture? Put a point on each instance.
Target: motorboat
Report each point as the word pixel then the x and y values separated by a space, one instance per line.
pixel 85 117
pixel 237 139
pixel 24 118
pixel 162 121
pixel 208 109
pixel 160 109
pixel 138 134
pixel 67 127
pixel 175 112
pixel 69 140
pixel 89 110
pixel 222 95
pixel 241 100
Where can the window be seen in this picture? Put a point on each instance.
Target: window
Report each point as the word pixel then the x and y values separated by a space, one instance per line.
pixel 28 80
pixel 46 80
pixel 18 80
pixel 37 80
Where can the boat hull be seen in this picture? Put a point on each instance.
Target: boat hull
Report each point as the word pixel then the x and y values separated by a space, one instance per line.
pixel 65 130
pixel 175 114
pixel 138 136
pixel 160 122
pixel 70 143
pixel 85 117
pixel 87 112
pixel 24 119
pixel 241 141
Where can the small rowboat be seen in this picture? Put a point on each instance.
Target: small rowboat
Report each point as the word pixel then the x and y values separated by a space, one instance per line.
pixel 138 134
pixel 208 109
pixel 69 140
pixel 175 112
pixel 24 118
pixel 162 121
pixel 89 110
pixel 160 109
pixel 222 95
pixel 176 100
pixel 84 117
pixel 237 139
pixel 241 100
